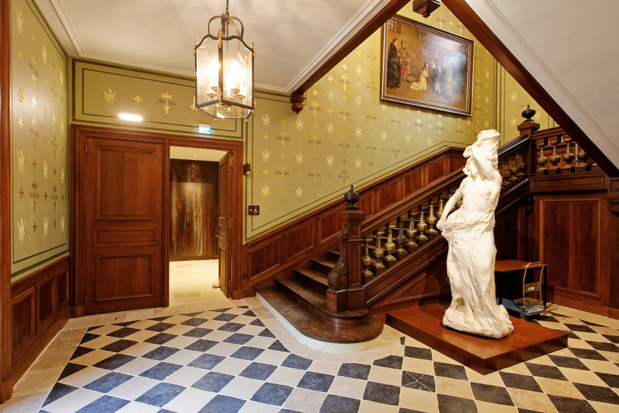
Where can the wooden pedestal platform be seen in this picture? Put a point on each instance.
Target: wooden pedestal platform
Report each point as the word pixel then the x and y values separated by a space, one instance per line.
pixel 483 355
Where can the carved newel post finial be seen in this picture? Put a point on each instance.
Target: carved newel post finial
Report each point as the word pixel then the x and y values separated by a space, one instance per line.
pixel 352 198
pixel 528 113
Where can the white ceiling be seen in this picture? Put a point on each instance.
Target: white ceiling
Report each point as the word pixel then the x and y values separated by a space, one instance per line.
pixel 568 46
pixel 291 37
pixel 196 154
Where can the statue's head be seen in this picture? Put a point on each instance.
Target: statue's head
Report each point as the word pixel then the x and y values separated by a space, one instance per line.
pixel 488 141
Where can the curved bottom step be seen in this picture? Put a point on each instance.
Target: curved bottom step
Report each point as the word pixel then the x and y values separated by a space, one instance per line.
pixel 309 325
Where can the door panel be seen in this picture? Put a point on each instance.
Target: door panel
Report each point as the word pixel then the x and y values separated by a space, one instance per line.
pixel 225 165
pixel 123 209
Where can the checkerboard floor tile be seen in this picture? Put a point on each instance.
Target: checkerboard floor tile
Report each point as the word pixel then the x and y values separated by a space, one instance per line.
pixel 226 360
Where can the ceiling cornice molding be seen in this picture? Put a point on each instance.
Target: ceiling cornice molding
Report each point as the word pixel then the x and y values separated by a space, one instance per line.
pixel 61 26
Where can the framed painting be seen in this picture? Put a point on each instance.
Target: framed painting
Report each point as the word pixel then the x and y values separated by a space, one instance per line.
pixel 426 67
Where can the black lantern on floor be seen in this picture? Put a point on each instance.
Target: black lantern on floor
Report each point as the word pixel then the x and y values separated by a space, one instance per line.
pixel 225 70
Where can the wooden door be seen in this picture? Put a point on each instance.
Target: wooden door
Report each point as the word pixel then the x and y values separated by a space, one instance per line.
pixel 123 224
pixel 225 165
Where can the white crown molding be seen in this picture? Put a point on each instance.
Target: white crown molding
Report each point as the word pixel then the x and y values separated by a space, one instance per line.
pixel 369 10
pixel 58 25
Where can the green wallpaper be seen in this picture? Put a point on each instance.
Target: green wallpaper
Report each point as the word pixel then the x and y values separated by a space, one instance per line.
pixel 39 126
pixel 347 135
pixel 103 91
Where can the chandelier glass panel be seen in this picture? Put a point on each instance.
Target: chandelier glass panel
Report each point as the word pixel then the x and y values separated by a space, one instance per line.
pixel 225 70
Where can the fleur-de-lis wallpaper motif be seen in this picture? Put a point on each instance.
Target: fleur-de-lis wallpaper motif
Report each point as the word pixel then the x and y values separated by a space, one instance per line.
pixel 62 176
pixel 21 160
pixel 514 96
pixel 357 162
pixel 266 190
pixel 299 158
pixel 61 76
pixel 45 226
pixel 266 120
pixel 109 95
pixel 330 128
pixel 330 160
pixel 20 22
pixel 266 155
pixel 330 95
pixel 298 192
pixel 383 135
pixel 20 93
pixel 44 54
pixel 62 223
pixel 358 70
pixel 429 140
pixel 21 229
pixel 45 169
pixel 358 100
pixel 358 132
pixel 299 123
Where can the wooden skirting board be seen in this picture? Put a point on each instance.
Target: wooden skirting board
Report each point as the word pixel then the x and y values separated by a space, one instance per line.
pixel 484 355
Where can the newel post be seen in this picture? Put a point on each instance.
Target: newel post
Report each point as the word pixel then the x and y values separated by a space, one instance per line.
pixel 345 280
pixel 528 128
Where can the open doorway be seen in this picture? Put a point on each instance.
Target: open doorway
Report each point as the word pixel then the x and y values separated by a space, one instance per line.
pixel 194 230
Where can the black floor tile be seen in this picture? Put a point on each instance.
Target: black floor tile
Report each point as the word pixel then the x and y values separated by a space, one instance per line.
pixel 160 338
pixel 549 372
pixel 119 345
pixel 569 405
pixel 160 327
pixel 491 394
pixel 568 362
pixel 194 322
pixel 223 404
pixel 612 380
pixel 247 353
pixel 382 393
pixel 160 371
pixel 604 346
pixel 451 404
pixel 418 353
pixel 583 353
pixel 355 371
pixel 213 382
pixel 452 371
pixel 277 346
pixel 89 337
pixel 161 394
pixel 256 323
pixel 59 390
pixel 297 362
pixel 114 362
pixel 108 382
pixel 258 371
pixel 249 313
pixel 392 362
pixel 123 332
pixel 273 394
pixel 197 332
pixel 105 404
pixel 611 338
pixel 206 361
pixel 339 404
pixel 316 381
pixel 238 338
pixel 69 369
pixel 520 381
pixel 225 317
pixel 266 333
pixel 231 327
pixel 161 353
pixel 418 381
pixel 597 393
pixel 202 345
pixel 80 351
pixel 579 328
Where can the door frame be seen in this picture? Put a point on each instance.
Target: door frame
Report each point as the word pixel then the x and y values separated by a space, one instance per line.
pixel 79 133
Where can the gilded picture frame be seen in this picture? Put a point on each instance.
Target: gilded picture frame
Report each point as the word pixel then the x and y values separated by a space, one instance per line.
pixel 426 67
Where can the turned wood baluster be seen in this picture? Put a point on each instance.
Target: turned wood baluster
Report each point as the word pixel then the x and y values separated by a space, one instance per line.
pixel 401 251
pixel 582 157
pixel 389 246
pixel 505 173
pixel 367 262
pixel 514 170
pixel 568 156
pixel 441 206
pixel 421 227
pixel 541 160
pixel 431 231
pixel 521 166
pixel 411 245
pixel 379 252
pixel 554 158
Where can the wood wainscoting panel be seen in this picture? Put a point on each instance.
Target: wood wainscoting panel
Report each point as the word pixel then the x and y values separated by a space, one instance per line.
pixel 413 181
pixel 388 194
pixel 571 234
pixel 264 258
pixel 299 241
pixel 119 277
pixel 437 169
pixel 329 225
pixel 24 320
pixel 47 296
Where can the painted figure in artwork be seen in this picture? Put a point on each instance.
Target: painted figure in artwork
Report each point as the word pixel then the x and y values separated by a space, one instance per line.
pixel 472 253
pixel 422 84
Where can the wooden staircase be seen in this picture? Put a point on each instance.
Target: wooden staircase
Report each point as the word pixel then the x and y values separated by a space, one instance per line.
pixel 342 296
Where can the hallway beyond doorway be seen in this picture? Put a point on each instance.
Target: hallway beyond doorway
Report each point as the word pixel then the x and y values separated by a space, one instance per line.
pixel 192 282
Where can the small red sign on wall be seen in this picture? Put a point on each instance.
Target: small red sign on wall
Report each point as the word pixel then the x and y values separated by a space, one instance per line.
pixel 253 210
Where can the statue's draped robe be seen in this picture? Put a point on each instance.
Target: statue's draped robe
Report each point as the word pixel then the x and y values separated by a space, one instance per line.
pixel 470 267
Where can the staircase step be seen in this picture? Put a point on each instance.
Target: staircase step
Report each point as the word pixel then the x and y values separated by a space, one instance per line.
pixel 313 278
pixel 311 326
pixel 333 255
pixel 323 265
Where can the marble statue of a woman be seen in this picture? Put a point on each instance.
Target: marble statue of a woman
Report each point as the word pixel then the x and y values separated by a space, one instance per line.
pixel 469 233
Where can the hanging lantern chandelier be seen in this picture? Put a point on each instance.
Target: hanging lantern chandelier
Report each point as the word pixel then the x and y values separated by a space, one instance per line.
pixel 225 70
